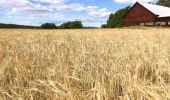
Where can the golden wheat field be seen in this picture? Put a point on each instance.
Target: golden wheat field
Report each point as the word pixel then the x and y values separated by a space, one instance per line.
pixel 94 64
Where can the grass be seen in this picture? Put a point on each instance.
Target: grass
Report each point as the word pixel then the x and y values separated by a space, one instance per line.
pixel 99 64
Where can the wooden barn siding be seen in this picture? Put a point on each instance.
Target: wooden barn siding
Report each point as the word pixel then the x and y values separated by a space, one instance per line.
pixel 138 14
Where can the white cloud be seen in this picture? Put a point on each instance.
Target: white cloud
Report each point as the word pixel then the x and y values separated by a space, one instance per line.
pixel 22 5
pixel 103 9
pixel 63 5
pixel 14 10
pixel 100 13
pixel 53 5
pixel 70 7
pixel 133 1
pixel 74 7
pixel 91 8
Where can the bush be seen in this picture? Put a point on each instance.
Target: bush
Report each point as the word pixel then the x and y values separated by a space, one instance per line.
pixel 48 26
pixel 104 26
pixel 72 25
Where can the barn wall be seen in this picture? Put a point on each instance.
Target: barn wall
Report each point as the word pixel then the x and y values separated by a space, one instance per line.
pixel 137 15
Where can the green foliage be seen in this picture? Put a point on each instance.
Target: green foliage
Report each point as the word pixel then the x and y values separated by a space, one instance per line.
pixel 164 3
pixel 116 20
pixel 72 25
pixel 110 21
pixel 2 25
pixel 48 26
pixel 104 26
pixel 68 25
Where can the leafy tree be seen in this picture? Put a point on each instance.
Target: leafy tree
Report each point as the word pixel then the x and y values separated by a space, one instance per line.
pixel 104 26
pixel 116 20
pixel 48 26
pixel 72 25
pixel 75 24
pixel 164 3
pixel 65 25
pixel 110 21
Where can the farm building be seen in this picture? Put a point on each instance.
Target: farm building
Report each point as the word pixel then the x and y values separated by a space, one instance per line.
pixel 147 14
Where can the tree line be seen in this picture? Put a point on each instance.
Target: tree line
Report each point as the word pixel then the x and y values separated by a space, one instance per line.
pixel 67 25
pixel 2 25
pixel 164 3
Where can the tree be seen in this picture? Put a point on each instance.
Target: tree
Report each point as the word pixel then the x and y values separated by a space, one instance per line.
pixel 75 24
pixel 110 21
pixel 65 25
pixel 72 25
pixel 164 3
pixel 104 26
pixel 48 26
pixel 116 20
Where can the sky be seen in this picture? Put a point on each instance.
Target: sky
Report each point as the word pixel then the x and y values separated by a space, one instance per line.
pixel 35 12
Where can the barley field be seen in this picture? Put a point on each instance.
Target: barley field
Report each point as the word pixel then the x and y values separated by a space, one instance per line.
pixel 87 64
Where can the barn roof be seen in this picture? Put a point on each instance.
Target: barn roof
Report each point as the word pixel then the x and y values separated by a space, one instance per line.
pixel 161 11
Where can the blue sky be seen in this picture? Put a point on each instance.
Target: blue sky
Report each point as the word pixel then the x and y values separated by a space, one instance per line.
pixel 36 12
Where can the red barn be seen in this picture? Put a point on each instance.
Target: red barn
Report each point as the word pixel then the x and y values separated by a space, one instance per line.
pixel 147 14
